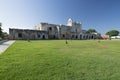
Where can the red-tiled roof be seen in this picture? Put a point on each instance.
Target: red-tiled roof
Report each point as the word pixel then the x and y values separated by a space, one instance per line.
pixel 105 36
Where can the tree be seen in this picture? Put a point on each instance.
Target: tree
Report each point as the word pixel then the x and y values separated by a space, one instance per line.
pixel 112 33
pixel 0 30
pixel 5 34
pixel 91 31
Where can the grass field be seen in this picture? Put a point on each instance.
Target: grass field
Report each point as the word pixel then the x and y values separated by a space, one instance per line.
pixel 55 60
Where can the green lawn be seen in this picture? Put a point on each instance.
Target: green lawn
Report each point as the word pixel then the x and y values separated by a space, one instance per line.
pixel 55 60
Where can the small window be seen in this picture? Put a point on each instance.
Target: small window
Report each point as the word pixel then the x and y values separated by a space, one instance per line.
pixel 50 28
pixel 63 35
pixel 54 37
pixel 76 36
pixel 20 35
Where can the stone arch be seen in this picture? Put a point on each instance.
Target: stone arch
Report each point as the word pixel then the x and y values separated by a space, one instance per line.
pixel 76 36
pixel 83 36
pixel 80 36
pixel 86 36
pixel 63 35
pixel 54 37
pixel 92 37
pixel 50 28
pixel 43 36
pixel 20 35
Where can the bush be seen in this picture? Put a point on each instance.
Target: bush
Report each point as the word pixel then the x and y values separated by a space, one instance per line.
pixel 0 39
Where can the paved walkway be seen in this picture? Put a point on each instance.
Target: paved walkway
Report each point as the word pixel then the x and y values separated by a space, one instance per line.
pixel 5 45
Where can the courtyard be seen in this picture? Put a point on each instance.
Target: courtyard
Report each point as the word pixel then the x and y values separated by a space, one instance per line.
pixel 55 60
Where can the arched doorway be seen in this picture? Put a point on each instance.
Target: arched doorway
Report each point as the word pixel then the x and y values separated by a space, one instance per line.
pixel 43 37
pixel 54 37
pixel 76 36
pixel 80 36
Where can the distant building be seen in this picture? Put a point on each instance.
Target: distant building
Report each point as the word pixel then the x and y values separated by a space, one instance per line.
pixel 73 30
pixel 115 37
pixel 105 36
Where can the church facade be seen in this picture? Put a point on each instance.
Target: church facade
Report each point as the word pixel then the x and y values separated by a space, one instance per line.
pixel 42 31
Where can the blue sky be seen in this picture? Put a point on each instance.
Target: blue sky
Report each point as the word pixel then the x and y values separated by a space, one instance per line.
pixel 102 15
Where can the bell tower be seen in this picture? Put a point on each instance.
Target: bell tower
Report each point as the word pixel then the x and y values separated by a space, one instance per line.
pixel 70 22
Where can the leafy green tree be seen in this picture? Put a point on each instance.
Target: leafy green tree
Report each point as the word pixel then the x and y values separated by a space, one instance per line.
pixel 5 35
pixel 112 33
pixel 91 31
pixel 0 31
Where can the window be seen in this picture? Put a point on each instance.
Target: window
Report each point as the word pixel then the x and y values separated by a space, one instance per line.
pixel 20 35
pixel 54 37
pixel 63 35
pixel 50 28
pixel 76 36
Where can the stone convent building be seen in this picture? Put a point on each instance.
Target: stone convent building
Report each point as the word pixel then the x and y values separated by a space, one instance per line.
pixel 72 30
